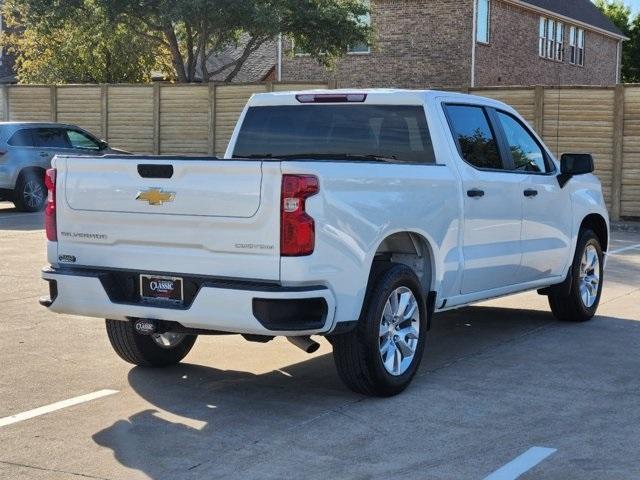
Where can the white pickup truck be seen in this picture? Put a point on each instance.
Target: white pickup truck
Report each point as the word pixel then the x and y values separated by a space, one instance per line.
pixel 354 215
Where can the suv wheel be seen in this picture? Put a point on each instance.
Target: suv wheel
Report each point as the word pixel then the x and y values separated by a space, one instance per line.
pixel 158 350
pixel 30 194
pixel 382 355
pixel 581 304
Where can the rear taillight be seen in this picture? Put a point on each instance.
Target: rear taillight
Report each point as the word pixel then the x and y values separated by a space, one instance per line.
pixel 50 223
pixel 297 228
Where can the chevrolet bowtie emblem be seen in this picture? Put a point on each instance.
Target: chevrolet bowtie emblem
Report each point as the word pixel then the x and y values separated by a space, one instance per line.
pixel 156 196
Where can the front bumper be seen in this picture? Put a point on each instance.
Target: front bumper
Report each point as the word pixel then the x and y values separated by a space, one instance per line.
pixel 217 305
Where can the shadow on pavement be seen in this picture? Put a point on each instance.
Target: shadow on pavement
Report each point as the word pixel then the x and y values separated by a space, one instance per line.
pixel 12 219
pixel 205 415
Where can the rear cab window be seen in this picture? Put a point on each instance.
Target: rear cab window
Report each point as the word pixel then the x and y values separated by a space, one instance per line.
pixel 396 133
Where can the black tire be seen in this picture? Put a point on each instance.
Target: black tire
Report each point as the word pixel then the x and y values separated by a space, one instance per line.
pixel 142 350
pixel 570 307
pixel 357 353
pixel 30 194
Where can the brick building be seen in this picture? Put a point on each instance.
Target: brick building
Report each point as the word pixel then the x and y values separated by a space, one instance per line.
pixel 463 43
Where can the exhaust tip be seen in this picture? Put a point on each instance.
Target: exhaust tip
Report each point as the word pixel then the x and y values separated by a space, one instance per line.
pixel 305 344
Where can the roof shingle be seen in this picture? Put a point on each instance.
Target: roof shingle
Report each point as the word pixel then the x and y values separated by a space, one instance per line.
pixel 581 10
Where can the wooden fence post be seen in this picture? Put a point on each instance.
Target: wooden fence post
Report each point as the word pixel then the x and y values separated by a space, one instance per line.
pixel 104 112
pixel 5 103
pixel 212 118
pixel 156 119
pixel 618 153
pixel 53 102
pixel 539 110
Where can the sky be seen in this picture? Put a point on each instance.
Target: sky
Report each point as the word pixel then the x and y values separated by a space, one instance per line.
pixel 635 4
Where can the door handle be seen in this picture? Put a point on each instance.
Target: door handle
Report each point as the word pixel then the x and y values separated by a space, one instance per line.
pixel 475 193
pixel 530 193
pixel 44 154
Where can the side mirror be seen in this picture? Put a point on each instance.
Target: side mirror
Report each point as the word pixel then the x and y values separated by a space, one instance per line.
pixel 103 144
pixel 572 164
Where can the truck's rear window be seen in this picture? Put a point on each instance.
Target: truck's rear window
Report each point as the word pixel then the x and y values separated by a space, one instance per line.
pixel 399 133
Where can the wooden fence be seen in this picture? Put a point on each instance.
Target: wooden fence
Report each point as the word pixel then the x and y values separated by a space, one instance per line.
pixel 156 119
pixel 604 121
pixel 199 119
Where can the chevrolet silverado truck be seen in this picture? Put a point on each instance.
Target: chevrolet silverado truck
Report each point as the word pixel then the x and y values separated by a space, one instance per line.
pixel 353 215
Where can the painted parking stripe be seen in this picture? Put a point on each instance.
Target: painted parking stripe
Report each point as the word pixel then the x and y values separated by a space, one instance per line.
pixel 20 417
pixel 522 464
pixel 625 249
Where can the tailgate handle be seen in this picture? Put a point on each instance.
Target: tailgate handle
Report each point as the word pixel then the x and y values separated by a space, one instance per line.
pixel 155 171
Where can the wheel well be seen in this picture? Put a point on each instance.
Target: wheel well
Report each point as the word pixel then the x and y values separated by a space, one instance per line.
pixel 598 224
pixel 38 171
pixel 412 250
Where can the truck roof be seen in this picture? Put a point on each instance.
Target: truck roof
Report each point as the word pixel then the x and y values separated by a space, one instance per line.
pixel 380 96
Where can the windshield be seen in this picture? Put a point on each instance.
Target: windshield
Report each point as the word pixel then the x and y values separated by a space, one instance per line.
pixel 346 132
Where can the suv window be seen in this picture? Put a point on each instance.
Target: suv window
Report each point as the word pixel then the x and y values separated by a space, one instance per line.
pixel 50 138
pixel 390 131
pixel 476 141
pixel 82 141
pixel 526 152
pixel 22 138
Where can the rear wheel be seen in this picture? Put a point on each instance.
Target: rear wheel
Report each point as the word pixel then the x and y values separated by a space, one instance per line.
pixel 381 356
pixel 30 193
pixel 158 350
pixel 583 299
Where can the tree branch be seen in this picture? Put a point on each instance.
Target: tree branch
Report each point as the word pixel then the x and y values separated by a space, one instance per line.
pixel 176 56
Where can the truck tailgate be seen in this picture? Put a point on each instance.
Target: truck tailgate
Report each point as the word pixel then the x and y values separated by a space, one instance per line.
pixel 216 218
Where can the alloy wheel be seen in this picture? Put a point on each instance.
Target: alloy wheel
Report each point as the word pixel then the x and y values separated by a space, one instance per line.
pixel 399 331
pixel 589 276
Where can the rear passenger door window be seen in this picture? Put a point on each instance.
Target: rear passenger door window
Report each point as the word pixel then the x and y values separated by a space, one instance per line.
pixel 51 138
pixel 526 153
pixel 474 136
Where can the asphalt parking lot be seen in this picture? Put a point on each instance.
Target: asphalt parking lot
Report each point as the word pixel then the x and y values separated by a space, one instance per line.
pixel 497 381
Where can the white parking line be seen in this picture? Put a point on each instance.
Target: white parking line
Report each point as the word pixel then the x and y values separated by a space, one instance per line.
pixel 19 417
pixel 625 249
pixel 522 464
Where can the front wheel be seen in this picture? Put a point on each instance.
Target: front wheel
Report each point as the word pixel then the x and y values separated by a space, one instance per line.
pixel 158 350
pixel 381 356
pixel 583 299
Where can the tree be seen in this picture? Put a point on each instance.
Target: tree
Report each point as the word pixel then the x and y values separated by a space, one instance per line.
pixel 85 48
pixel 193 31
pixel 620 14
pixel 632 49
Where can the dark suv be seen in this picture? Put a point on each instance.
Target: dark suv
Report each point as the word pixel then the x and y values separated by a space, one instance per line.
pixel 26 150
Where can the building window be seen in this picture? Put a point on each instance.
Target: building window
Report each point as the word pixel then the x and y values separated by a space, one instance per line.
pixel 551 39
pixel 551 34
pixel 559 51
pixel 482 26
pixel 542 47
pixel 576 46
pixel 362 20
pixel 360 48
